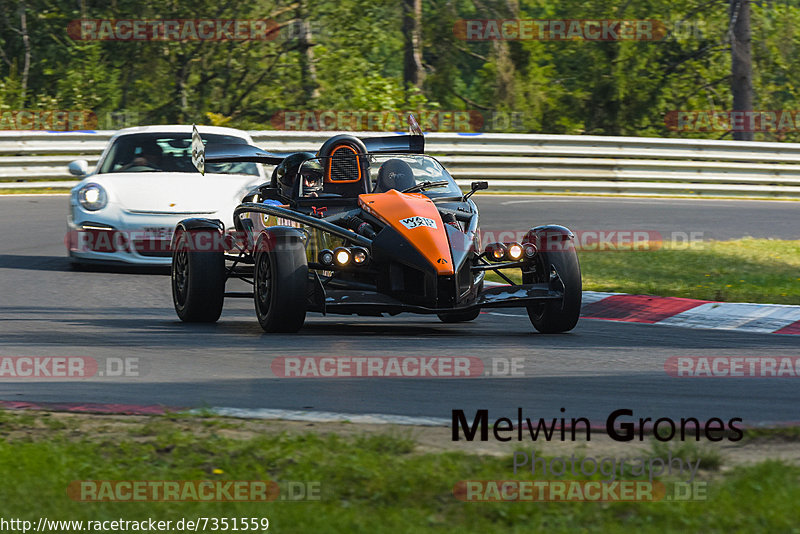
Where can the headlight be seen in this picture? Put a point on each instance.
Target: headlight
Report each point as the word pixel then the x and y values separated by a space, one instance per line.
pixel 530 250
pixel 342 256
pixel 360 255
pixel 495 251
pixel 514 251
pixel 326 257
pixel 92 197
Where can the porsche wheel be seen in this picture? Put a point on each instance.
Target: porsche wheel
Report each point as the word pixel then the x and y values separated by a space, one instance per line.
pixel 281 278
pixel 559 315
pixel 198 282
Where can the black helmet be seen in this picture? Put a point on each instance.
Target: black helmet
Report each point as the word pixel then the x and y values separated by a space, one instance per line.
pixel 286 171
pixel 311 173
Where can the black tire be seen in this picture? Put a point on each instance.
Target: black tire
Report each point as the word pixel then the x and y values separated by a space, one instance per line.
pixel 459 317
pixel 198 282
pixel 562 315
pixel 281 280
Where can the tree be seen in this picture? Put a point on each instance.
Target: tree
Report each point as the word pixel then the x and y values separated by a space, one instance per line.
pixel 413 72
pixel 741 62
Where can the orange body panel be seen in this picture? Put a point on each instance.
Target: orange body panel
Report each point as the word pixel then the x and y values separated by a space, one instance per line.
pixel 415 216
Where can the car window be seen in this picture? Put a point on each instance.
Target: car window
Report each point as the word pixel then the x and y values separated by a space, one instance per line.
pixel 401 171
pixel 168 152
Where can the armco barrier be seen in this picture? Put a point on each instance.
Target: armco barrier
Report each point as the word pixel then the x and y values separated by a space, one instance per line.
pixel 510 162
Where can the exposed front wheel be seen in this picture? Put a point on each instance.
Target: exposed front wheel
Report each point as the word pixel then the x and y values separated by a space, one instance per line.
pixel 198 281
pixel 557 316
pixel 281 280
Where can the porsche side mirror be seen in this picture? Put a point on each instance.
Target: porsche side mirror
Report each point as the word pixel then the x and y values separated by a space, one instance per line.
pixel 476 186
pixel 79 167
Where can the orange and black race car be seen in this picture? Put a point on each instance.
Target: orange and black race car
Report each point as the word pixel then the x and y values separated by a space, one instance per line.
pixel 368 227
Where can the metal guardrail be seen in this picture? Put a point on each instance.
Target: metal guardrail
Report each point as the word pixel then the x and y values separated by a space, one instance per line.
pixel 511 162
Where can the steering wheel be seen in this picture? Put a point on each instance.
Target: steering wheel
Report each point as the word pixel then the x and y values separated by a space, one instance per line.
pixel 140 168
pixel 422 186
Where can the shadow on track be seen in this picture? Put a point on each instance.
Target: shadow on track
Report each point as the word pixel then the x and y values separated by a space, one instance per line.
pixel 593 397
pixel 64 264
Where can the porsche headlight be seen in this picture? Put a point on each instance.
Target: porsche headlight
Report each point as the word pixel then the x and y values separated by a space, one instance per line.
pixel 92 197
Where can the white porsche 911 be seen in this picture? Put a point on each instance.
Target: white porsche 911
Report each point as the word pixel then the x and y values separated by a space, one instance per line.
pixel 144 183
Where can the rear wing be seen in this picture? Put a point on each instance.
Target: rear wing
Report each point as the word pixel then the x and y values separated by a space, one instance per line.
pixel 413 143
pixel 228 153
pixel 395 144
pixel 224 153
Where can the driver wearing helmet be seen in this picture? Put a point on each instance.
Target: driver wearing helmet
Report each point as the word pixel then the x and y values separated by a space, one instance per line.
pixel 286 173
pixel 311 174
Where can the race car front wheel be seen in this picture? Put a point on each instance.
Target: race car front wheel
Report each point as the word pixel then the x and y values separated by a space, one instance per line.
pixel 198 281
pixel 281 278
pixel 559 315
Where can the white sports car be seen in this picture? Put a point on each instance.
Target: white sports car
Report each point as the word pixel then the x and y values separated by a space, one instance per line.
pixel 144 183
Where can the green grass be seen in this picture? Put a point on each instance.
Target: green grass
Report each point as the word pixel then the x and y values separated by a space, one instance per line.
pixel 369 483
pixel 689 451
pixel 742 270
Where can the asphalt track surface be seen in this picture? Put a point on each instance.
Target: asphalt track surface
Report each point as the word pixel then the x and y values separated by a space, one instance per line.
pixel 47 309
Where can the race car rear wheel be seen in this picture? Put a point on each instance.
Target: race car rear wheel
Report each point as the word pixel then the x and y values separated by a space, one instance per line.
pixel 559 315
pixel 198 282
pixel 281 279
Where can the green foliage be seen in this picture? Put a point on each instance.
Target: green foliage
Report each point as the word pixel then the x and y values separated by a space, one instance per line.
pixel 353 60
pixel 89 82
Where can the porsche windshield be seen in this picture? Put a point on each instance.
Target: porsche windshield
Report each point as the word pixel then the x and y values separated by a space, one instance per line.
pixel 167 152
pixel 385 171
